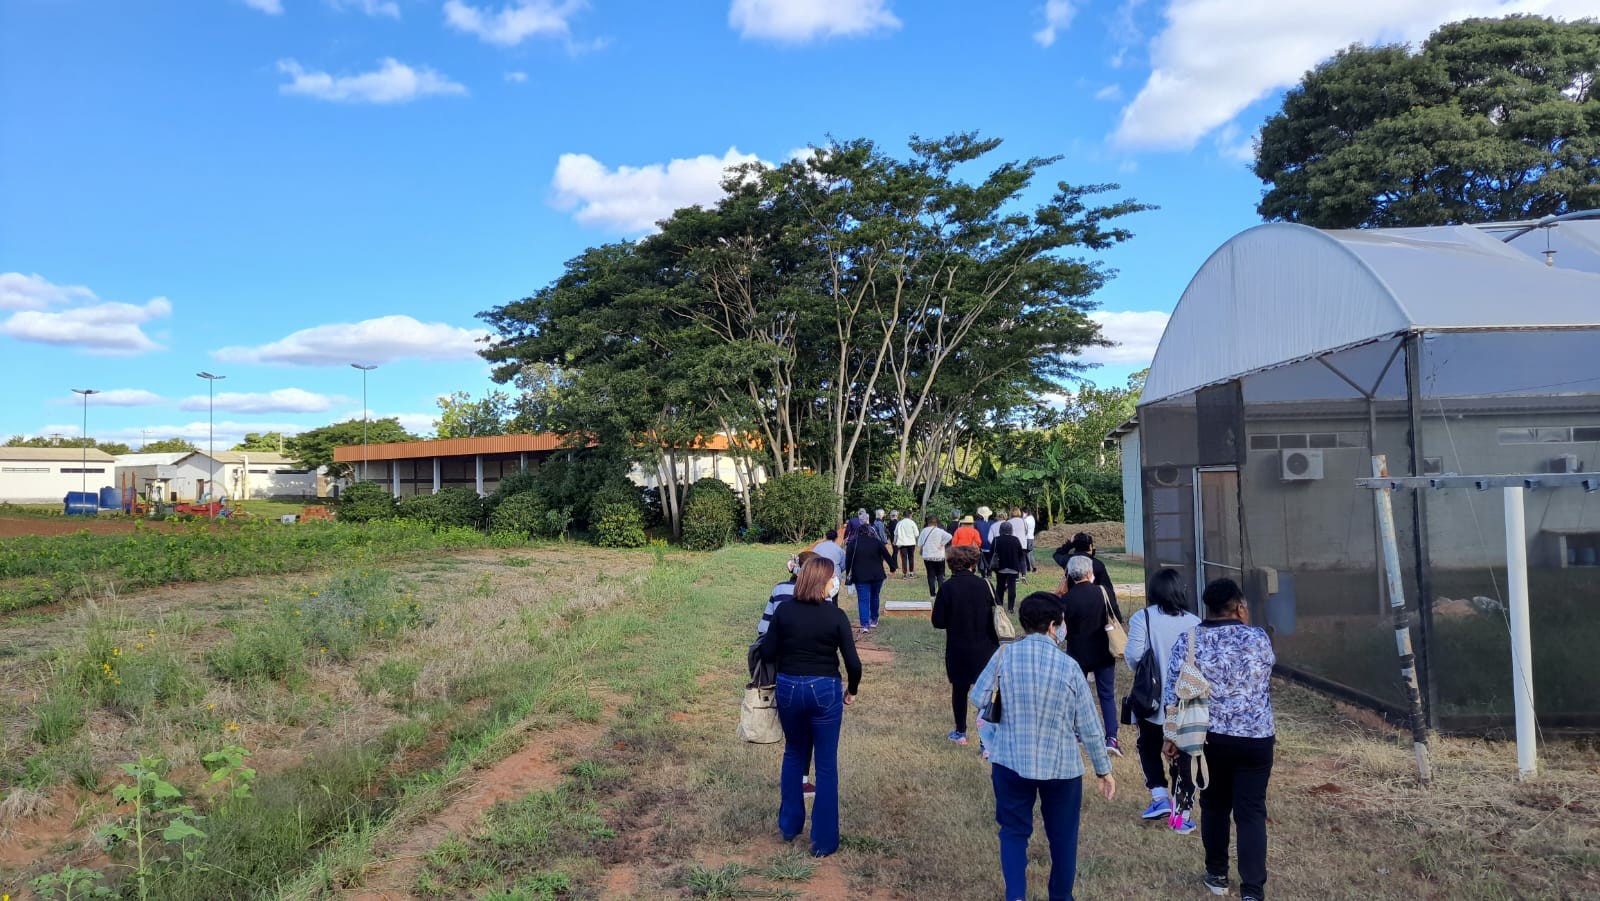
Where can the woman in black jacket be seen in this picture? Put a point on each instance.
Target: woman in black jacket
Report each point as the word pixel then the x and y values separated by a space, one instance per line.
pixel 1088 611
pixel 807 639
pixel 1010 561
pixel 864 561
pixel 964 609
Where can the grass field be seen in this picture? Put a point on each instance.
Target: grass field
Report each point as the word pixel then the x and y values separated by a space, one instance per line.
pixel 478 723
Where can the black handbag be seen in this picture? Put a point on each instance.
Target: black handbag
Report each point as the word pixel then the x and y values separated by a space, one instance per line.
pixel 995 709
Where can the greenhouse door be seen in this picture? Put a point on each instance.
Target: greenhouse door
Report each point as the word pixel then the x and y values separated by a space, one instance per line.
pixel 1219 547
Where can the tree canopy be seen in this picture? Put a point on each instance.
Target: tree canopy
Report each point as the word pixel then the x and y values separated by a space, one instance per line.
pixel 262 442
pixel 462 417
pixel 314 448
pixel 168 446
pixel 114 448
pixel 845 303
pixel 1490 119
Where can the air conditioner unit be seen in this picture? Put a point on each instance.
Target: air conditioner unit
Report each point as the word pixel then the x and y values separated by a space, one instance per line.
pixel 1302 465
pixel 1566 463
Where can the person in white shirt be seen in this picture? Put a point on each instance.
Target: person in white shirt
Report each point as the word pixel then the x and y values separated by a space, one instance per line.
pixel 932 542
pixel 1028 525
pixel 905 545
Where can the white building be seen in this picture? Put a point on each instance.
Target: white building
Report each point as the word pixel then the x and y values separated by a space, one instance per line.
pixel 240 475
pixel 44 475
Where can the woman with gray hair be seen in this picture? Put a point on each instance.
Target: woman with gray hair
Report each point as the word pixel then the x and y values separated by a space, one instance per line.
pixel 1088 612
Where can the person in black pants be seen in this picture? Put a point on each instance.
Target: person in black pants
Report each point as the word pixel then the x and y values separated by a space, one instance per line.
pixel 1010 562
pixel 1236 658
pixel 964 609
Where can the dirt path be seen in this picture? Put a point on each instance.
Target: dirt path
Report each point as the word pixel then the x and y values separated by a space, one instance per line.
pixel 536 766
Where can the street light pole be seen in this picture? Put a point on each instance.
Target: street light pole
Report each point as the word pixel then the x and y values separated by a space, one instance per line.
pixel 211 437
pixel 83 467
pixel 364 455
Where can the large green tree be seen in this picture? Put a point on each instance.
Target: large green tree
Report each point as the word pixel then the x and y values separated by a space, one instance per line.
pixel 262 442
pixel 462 417
pixel 114 448
pixel 314 448
pixel 1490 119
pixel 844 302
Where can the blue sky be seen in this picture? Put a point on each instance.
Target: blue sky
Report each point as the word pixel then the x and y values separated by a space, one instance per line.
pixel 272 189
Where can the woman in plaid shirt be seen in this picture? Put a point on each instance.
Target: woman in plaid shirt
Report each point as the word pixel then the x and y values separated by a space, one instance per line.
pixel 1047 708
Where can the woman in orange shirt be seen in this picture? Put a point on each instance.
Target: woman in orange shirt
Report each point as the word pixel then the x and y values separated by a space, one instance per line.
pixel 966 535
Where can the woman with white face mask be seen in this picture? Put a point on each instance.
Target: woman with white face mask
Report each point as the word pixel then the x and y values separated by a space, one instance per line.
pixel 964 609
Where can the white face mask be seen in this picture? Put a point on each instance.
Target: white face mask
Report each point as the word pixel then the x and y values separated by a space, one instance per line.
pixel 833 586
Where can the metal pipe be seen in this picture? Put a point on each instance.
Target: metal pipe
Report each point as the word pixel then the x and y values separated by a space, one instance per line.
pixel 1402 624
pixel 1521 641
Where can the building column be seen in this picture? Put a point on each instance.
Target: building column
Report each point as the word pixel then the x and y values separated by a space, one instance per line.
pixel 479 459
pixel 522 461
pixel 394 476
pixel 435 475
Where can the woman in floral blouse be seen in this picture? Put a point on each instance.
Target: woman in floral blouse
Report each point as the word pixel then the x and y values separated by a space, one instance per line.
pixel 1236 659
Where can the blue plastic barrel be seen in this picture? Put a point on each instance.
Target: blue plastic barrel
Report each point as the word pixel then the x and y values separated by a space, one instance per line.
pixel 81 503
pixel 110 498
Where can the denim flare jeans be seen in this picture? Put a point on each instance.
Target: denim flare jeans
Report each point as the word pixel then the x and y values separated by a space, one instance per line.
pixel 810 709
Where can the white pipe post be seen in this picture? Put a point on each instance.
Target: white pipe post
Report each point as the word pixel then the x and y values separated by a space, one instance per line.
pixel 1521 641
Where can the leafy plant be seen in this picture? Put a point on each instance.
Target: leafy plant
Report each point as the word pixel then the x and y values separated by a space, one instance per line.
pixel 619 525
pixel 527 515
pixel 458 507
pixel 71 884
pixel 886 496
pixel 158 817
pixel 708 522
pixel 365 502
pixel 796 506
pixel 229 776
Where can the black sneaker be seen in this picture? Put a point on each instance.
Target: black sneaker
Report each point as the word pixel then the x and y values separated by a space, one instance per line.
pixel 1217 884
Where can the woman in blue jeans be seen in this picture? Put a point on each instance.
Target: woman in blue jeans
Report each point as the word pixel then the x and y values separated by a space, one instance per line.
pixel 864 562
pixel 805 642
pixel 1046 710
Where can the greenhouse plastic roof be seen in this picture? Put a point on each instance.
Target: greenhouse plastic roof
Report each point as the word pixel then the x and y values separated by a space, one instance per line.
pixel 1281 293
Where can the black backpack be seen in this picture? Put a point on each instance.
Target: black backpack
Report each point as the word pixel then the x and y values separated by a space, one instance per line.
pixel 1144 701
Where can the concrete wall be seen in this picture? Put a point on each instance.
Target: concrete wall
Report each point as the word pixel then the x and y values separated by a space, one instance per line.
pixel 45 482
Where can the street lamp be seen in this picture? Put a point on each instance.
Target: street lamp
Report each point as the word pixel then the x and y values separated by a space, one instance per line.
pixel 84 466
pixel 211 436
pixel 365 368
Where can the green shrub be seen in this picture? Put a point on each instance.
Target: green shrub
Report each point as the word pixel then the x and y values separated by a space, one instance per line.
pixel 616 492
pixel 618 525
pixel 708 522
pixel 654 515
pixel 459 507
pixel 365 502
pixel 796 506
pixel 885 496
pixel 527 515
pixel 713 488
pixel 574 484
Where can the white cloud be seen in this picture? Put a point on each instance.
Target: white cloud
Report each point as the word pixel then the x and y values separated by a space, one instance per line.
pixel 382 340
pixel 1135 333
pixel 798 21
pixel 227 432
pixel 283 400
pixel 516 77
pixel 630 199
pixel 117 397
pixel 1058 16
pixel 270 7
pixel 374 8
pixel 107 329
pixel 35 292
pixel 392 82
pixel 1110 93
pixel 1216 57
pixel 515 22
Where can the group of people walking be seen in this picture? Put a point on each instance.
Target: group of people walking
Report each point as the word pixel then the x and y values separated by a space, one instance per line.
pixel 1037 691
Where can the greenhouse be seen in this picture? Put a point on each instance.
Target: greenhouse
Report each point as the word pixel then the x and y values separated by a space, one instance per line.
pixel 1293 357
